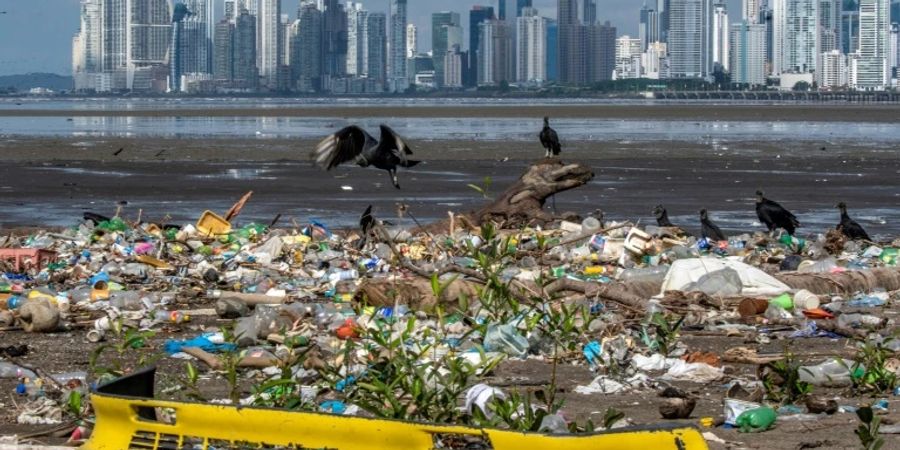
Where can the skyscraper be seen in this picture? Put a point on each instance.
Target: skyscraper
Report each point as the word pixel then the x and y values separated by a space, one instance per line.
pixel 398 76
pixel 148 35
pixel 721 35
pixel 795 36
pixel 308 59
pixel 628 57
pixel 748 53
pixel 376 30
pixel 829 25
pixel 589 12
pixel 573 44
pixel 202 12
pixel 335 39
pixel 873 71
pixel 663 8
pixel 750 11
pixel 600 59
pixel 268 53
pixel 357 40
pixel 522 4
pixel 477 15
pixel 87 46
pixel 223 51
pixel 648 28
pixel 189 51
pixel 849 35
pixel 246 74
pixel 445 33
pixel 531 51
pixel 496 58
pixel 412 40
pixel 231 11
pixel 552 50
pixel 832 72
pixel 895 11
pixel 690 38
pixel 501 9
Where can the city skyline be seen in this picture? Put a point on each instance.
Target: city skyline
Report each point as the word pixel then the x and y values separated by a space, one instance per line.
pixel 44 45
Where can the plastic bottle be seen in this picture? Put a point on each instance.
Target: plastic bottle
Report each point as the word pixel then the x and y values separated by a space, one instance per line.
pixel 869 301
pixel 831 373
pixel 654 274
pixel 10 370
pixel 170 317
pixel 756 420
pixel 505 339
pixel 859 321
pixel 14 302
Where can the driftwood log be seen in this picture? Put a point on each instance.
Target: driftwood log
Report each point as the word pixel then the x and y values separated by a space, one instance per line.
pixel 845 283
pixel 523 202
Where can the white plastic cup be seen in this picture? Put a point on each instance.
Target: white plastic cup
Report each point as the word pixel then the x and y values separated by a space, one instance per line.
pixel 805 300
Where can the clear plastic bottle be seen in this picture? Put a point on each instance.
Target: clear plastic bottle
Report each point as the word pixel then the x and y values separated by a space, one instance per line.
pixel 10 370
pixel 831 373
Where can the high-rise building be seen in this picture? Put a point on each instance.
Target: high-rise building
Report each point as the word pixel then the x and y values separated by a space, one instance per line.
pixel 832 72
pixel 412 40
pixel 495 57
pixel 189 50
pixel 477 16
pixel 522 4
pixel 357 40
pixel 397 68
pixel 552 50
pixel 795 36
pixel 690 38
pixel 573 44
pixel 445 33
pixel 335 39
pixel 307 63
pixel 531 49
pixel 231 11
pixel 648 28
pixel 750 11
pixel 663 8
pixel 829 25
pixel 501 9
pixel 223 51
pixel 849 35
pixel 654 62
pixel 894 54
pixel 286 32
pixel 149 33
pixel 748 53
pixel 246 74
pixel 600 61
pixel 87 46
pixel 376 30
pixel 453 68
pixel 114 48
pixel 268 51
pixel 873 70
pixel 895 11
pixel 589 12
pixel 721 34
pixel 202 11
pixel 628 57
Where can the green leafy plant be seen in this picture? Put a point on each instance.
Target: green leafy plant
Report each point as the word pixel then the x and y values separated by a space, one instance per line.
pixel 665 332
pixel 611 417
pixel 75 404
pixel 782 380
pixel 867 431
pixel 484 189
pixel 871 359
pixel 125 340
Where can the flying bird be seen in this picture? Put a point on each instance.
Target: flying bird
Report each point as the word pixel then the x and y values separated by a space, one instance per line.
pixel 119 151
pixel 774 216
pixel 550 140
pixel 710 230
pixel 849 227
pixel 353 144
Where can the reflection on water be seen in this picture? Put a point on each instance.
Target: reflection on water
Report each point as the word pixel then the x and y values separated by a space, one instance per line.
pixel 482 129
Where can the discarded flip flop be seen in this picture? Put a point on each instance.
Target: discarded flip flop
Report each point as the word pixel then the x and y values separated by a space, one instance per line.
pixel 818 313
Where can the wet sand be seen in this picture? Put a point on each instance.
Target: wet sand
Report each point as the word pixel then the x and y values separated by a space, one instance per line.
pixel 819 112
pixel 53 181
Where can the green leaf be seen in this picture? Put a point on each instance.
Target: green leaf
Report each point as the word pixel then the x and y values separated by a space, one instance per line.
pixel 865 414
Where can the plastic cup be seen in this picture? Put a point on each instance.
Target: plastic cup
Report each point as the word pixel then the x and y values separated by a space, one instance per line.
pixel 784 301
pixel 805 300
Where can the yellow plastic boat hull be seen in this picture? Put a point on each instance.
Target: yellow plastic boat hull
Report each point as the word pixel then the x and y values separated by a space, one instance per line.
pixel 121 424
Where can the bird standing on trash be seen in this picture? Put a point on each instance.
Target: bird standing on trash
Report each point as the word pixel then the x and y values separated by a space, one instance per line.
pixel 550 140
pixel 710 230
pixel 662 216
pixel 850 227
pixel 366 225
pixel 774 216
pixel 355 144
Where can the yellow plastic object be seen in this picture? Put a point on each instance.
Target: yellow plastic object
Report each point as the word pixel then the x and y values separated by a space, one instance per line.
pixel 151 261
pixel 121 424
pixel 212 224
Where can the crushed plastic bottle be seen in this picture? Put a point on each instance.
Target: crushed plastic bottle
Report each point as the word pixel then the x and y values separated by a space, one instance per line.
pixel 10 370
pixel 859 321
pixel 831 373
pixel 505 338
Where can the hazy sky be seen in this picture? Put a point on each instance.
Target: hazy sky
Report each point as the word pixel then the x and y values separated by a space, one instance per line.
pixel 36 35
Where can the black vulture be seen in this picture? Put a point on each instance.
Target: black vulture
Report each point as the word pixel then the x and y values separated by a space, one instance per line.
pixel 355 144
pixel 710 230
pixel 662 216
pixel 849 227
pixel 366 225
pixel 550 140
pixel 774 216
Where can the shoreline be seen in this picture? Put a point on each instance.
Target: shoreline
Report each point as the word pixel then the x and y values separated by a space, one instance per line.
pixel 675 112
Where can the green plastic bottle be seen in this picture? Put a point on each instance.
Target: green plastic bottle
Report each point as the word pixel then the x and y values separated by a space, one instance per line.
pixel 756 420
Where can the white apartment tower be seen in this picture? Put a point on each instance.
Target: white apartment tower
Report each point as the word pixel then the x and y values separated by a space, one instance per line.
pixel 833 71
pixel 690 38
pixel 357 34
pixel 628 57
pixel 268 42
pixel 721 34
pixel 795 36
pixel 748 53
pixel 412 41
pixel 531 51
pixel 873 69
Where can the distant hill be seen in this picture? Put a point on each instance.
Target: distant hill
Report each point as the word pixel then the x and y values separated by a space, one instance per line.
pixel 22 83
